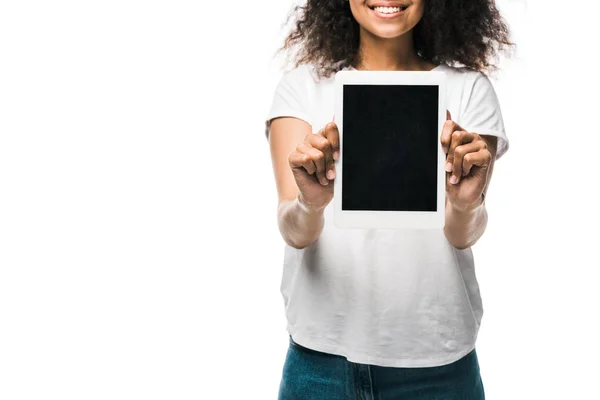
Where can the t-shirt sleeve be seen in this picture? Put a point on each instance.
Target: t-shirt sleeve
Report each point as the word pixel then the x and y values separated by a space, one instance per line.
pixel 482 113
pixel 291 97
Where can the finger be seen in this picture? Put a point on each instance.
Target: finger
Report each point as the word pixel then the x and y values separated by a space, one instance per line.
pixel 336 147
pixel 457 138
pixel 301 159
pixel 449 127
pixel 459 154
pixel 480 159
pixel 448 116
pixel 321 143
pixel 333 135
pixel 319 159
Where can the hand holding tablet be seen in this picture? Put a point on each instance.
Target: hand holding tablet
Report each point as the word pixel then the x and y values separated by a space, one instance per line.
pixel 467 163
pixel 391 168
pixel 312 164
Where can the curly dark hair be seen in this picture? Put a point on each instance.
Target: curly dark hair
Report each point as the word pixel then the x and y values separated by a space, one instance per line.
pixel 466 32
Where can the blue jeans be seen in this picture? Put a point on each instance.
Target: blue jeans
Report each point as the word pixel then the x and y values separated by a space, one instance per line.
pixel 313 375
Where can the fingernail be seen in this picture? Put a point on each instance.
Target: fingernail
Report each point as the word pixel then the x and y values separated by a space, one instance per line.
pixel 453 179
pixel 326 182
pixel 448 167
pixel 330 174
pixel 336 155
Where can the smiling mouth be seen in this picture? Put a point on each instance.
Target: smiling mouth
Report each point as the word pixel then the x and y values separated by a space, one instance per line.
pixel 388 10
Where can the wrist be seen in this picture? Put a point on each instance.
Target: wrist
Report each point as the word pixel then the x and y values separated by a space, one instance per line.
pixel 467 207
pixel 307 207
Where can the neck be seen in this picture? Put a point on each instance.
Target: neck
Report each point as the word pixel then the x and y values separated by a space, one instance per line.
pixel 397 54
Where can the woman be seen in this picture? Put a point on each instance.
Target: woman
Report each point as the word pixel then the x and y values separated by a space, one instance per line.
pixel 372 313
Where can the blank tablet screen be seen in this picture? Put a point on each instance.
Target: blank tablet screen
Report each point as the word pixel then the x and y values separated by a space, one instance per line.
pixel 390 147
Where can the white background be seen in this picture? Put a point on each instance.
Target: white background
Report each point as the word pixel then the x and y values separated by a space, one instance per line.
pixel 139 252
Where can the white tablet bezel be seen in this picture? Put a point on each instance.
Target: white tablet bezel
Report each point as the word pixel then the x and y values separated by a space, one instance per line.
pixel 389 219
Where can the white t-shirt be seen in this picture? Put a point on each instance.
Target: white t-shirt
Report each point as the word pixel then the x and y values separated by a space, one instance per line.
pixel 398 298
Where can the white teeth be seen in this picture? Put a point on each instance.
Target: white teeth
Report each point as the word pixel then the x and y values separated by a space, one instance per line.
pixel 387 10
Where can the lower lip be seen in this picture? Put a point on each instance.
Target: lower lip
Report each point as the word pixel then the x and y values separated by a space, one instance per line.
pixel 388 16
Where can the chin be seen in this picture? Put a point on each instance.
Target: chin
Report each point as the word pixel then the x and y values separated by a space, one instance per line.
pixel 388 32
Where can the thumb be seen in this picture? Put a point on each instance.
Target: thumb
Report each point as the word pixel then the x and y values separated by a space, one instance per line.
pixel 448 116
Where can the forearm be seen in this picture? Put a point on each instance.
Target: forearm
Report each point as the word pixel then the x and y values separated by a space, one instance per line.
pixel 299 225
pixel 464 226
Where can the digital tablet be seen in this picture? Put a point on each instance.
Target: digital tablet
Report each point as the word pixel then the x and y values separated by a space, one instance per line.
pixel 390 174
